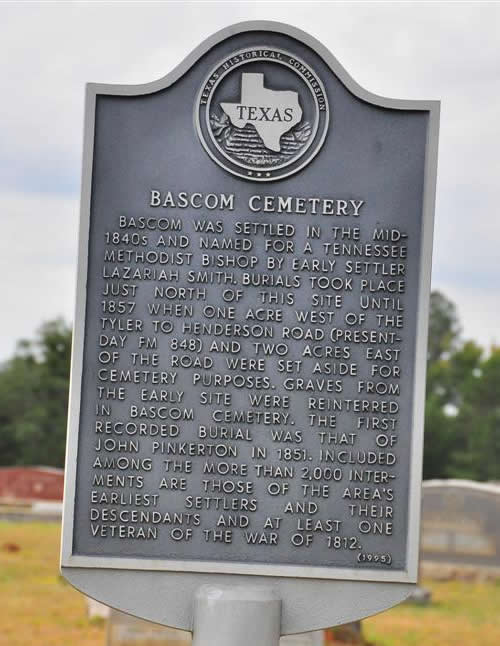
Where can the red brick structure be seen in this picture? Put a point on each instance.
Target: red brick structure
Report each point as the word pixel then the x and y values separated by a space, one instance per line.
pixel 30 484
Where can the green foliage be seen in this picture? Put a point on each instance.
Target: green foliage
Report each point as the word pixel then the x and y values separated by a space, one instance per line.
pixel 444 329
pixel 447 380
pixel 462 411
pixel 477 426
pixel 33 399
pixel 443 335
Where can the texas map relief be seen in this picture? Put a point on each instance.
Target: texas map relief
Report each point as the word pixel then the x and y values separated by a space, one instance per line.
pixel 271 112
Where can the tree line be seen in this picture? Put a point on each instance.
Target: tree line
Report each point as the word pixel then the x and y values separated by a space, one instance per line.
pixel 462 407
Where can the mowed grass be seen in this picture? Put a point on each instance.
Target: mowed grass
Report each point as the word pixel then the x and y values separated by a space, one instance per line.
pixel 460 614
pixel 38 609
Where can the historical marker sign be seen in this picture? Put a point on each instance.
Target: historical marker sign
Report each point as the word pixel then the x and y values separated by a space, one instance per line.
pixel 249 363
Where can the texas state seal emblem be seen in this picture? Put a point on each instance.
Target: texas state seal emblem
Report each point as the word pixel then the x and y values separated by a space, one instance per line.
pixel 262 114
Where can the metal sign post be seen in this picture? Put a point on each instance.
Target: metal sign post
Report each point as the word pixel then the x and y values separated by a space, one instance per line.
pixel 228 615
pixel 246 410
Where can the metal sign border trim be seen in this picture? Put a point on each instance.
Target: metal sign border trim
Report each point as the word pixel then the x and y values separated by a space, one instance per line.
pixel 68 560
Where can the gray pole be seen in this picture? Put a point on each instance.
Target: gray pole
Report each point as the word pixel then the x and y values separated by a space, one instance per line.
pixel 236 616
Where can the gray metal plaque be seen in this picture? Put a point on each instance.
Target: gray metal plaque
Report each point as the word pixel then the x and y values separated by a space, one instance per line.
pixel 250 336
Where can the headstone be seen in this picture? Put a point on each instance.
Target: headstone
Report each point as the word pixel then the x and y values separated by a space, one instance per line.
pixel 97 610
pixel 460 527
pixel 420 596
pixel 125 630
pixel 250 340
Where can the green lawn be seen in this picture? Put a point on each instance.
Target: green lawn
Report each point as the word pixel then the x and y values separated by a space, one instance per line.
pixel 38 609
pixel 460 614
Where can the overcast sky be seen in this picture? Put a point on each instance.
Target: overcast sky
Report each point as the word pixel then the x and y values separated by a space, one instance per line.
pixel 447 51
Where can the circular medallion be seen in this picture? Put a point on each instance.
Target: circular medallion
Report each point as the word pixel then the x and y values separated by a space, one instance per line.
pixel 262 114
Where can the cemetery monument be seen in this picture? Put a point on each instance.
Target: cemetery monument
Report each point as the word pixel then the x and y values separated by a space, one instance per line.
pixel 246 409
